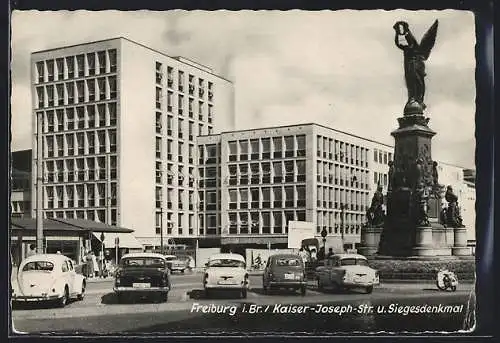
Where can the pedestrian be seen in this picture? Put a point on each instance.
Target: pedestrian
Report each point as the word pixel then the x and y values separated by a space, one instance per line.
pixel 321 254
pixel 303 255
pixel 313 255
pixel 94 264
pixel 330 252
pixel 32 250
pixel 90 265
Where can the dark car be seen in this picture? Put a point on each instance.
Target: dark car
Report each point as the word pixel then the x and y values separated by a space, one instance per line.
pixel 284 271
pixel 142 274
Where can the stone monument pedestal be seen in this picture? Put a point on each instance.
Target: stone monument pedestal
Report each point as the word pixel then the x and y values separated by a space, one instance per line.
pixel 460 242
pixel 424 245
pixel 370 239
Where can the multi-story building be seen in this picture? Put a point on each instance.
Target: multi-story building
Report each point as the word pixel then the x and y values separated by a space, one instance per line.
pixel 119 122
pixel 20 197
pixel 253 182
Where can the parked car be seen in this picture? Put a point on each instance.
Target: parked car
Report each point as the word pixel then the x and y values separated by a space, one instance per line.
pixel 176 264
pixel 346 271
pixel 143 274
pixel 284 271
pixel 226 271
pixel 47 277
pixel 187 260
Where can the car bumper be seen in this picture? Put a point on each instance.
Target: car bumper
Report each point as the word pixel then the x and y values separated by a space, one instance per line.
pixel 234 286
pixel 121 289
pixel 297 284
pixel 178 268
pixel 358 284
pixel 31 298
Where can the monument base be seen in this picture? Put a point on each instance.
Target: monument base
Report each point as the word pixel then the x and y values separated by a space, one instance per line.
pixel 370 240
pixel 403 240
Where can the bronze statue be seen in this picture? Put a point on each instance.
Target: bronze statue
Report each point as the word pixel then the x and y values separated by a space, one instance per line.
pixel 419 173
pixel 375 214
pixel 414 56
pixel 421 201
pixel 435 175
pixel 453 217
pixel 390 175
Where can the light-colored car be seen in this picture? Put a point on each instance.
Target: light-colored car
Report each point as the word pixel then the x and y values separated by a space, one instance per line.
pixel 226 271
pixel 144 274
pixel 175 263
pixel 47 277
pixel 345 271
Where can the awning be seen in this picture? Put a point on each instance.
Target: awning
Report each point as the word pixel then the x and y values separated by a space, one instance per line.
pixel 127 240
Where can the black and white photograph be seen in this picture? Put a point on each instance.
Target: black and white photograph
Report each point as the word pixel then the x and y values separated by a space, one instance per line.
pixel 243 172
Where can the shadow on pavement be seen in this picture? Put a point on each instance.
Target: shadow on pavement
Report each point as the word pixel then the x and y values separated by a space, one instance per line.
pixel 276 291
pixel 41 305
pixel 199 294
pixel 113 299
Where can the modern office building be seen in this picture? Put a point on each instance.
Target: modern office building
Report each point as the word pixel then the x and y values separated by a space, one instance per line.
pixel 20 197
pixel 253 182
pixel 118 125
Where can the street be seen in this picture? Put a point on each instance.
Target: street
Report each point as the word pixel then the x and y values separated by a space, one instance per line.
pixel 386 309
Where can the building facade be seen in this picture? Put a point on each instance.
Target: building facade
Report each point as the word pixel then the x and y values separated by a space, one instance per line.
pixel 119 122
pixel 20 197
pixel 253 182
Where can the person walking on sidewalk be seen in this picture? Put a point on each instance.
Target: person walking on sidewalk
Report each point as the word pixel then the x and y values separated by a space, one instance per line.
pixel 94 264
pixel 90 265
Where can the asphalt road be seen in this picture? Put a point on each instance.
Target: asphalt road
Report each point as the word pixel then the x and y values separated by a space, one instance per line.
pixel 100 313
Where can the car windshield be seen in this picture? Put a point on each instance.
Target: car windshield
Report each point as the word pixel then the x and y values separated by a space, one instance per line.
pixel 353 261
pixel 39 266
pixel 153 262
pixel 288 262
pixel 170 258
pixel 226 263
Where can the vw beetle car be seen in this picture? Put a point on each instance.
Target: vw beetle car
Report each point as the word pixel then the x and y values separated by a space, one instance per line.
pixel 226 271
pixel 284 271
pixel 345 271
pixel 143 274
pixel 47 277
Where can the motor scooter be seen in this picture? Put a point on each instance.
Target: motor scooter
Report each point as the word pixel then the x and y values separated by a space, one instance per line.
pixel 446 279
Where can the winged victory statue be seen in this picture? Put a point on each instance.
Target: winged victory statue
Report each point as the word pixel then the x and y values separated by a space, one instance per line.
pixel 415 55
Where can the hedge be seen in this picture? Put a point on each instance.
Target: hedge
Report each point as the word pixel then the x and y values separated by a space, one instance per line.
pixel 422 270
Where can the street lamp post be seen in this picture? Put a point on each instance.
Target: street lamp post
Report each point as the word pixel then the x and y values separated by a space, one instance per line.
pixel 324 233
pixel 102 254
pixel 39 180
pixel 342 224
pixel 161 229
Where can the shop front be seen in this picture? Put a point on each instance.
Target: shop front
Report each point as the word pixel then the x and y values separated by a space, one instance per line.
pixel 70 237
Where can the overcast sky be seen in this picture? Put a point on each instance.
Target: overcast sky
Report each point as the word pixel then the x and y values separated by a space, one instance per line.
pixel 336 68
